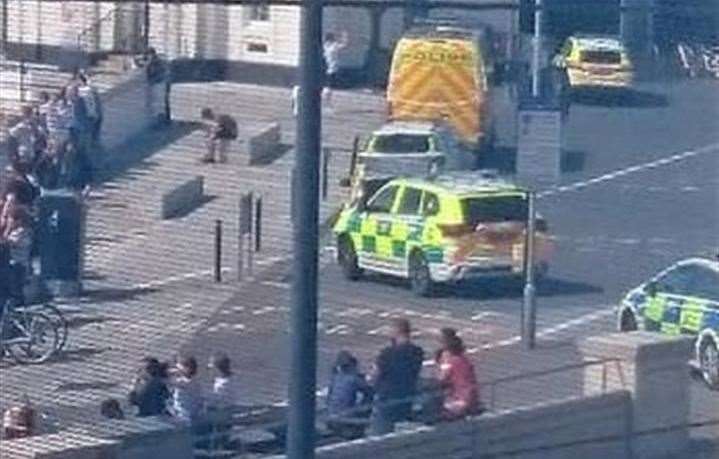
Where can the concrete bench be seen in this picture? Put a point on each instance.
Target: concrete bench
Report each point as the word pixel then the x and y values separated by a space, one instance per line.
pixel 263 143
pixel 179 198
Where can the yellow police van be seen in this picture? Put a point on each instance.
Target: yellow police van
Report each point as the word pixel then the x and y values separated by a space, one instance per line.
pixel 440 72
pixel 454 227
pixel 595 61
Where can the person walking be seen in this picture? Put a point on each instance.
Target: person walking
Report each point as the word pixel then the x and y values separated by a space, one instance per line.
pixel 93 104
pixel 457 378
pixel 149 391
pixel 347 392
pixel 332 47
pixel 220 130
pixel 395 377
pixel 80 128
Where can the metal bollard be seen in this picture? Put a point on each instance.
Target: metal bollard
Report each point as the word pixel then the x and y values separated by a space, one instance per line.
pixel 218 250
pixel 258 223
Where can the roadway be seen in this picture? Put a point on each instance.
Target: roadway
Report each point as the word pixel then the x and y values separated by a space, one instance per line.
pixel 621 212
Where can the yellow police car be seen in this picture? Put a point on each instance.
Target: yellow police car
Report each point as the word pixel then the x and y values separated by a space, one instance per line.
pixel 456 226
pixel 595 61
pixel 682 299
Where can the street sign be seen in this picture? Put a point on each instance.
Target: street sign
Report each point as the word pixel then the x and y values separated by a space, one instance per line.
pixel 539 145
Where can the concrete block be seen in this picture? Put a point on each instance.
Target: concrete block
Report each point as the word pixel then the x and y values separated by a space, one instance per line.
pixel 263 143
pixel 63 445
pixel 142 438
pixel 653 368
pixel 178 198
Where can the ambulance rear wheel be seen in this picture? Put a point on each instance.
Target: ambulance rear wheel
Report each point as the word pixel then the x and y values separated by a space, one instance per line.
pixel 419 276
pixel 709 363
pixel 347 258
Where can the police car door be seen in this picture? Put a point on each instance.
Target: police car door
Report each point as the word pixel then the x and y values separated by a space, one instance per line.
pixel 700 310
pixel 376 247
pixel 407 225
pixel 670 290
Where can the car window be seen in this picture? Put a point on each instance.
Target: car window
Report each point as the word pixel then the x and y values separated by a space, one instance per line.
pixel 601 57
pixel 703 283
pixel 494 209
pixel 676 281
pixel 382 202
pixel 409 204
pixel 401 143
pixel 430 205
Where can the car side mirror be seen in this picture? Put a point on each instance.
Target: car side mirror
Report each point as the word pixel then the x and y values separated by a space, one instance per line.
pixel 651 289
pixel 345 182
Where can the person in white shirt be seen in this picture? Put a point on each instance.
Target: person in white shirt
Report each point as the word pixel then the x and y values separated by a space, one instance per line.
pixel 332 47
pixel 224 389
pixel 221 398
pixel 186 400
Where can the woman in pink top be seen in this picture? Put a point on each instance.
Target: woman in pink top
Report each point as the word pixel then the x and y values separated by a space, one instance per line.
pixel 456 375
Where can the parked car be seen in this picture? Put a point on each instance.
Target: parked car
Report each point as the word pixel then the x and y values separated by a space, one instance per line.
pixel 445 229
pixel 595 61
pixel 681 300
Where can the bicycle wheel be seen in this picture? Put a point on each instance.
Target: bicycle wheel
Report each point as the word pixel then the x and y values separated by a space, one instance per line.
pixel 38 337
pixel 59 319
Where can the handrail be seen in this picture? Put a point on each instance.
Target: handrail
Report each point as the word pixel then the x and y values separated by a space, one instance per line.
pixel 536 374
pixel 111 15
pixel 95 25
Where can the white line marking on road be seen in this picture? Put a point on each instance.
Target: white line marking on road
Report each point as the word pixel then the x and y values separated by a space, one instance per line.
pixel 631 169
pixel 282 285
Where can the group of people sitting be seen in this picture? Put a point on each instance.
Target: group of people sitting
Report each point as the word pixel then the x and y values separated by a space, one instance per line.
pixel 392 389
pixel 392 392
pixel 48 148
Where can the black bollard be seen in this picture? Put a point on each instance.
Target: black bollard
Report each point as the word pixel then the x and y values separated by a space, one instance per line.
pixel 218 250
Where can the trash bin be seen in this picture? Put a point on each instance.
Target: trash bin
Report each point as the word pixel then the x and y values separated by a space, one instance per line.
pixel 61 236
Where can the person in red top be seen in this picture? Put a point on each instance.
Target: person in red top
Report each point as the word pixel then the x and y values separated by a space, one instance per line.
pixel 457 378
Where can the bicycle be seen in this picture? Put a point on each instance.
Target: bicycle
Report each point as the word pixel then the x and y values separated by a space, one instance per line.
pixel 28 336
pixel 56 316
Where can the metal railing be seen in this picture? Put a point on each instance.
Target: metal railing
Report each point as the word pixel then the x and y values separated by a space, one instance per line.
pixel 495 383
pixel 124 39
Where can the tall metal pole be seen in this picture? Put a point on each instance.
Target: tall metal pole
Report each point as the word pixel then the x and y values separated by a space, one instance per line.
pixel 537 48
pixel 303 330
pixel 529 306
pixel 146 37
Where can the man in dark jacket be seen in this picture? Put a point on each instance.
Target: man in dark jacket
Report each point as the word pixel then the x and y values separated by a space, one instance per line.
pixel 396 374
pixel 149 393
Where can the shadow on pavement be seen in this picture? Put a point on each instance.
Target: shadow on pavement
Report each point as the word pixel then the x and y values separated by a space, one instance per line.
pixel 115 294
pixel 118 161
pixel 507 288
pixel 630 98
pixel 74 386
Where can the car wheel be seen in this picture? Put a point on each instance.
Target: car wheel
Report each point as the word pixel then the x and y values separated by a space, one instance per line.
pixel 709 363
pixel 347 259
pixel 627 322
pixel 419 276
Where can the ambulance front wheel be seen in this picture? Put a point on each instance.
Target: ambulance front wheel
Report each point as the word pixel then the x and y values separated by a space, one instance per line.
pixel 347 258
pixel 419 276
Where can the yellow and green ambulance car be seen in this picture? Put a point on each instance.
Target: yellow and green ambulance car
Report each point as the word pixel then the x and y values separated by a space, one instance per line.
pixel 681 300
pixel 450 228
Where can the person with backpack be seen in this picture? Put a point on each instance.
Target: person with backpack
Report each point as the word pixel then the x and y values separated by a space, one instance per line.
pixel 220 131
